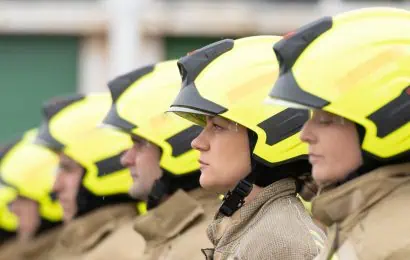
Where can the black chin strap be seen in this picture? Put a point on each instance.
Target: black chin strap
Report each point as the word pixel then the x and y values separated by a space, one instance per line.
pixel 168 184
pixel 235 199
pixel 158 192
pixel 260 175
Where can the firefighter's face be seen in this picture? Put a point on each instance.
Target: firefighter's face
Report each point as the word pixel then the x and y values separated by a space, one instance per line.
pixel 67 184
pixel 27 211
pixel 334 148
pixel 143 160
pixel 224 154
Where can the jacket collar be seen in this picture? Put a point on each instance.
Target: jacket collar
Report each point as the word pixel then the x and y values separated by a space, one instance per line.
pixel 83 233
pixel 41 244
pixel 225 229
pixel 174 215
pixel 352 199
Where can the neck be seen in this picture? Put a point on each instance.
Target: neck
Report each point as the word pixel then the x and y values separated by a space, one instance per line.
pixel 254 192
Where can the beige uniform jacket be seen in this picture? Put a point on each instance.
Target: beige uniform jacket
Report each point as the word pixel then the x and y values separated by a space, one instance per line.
pixel 103 234
pixel 176 229
pixel 368 217
pixel 36 249
pixel 274 225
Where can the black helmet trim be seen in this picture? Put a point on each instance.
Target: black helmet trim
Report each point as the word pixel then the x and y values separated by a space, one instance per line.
pixel 284 124
pixel 50 109
pixel 181 142
pixel 287 52
pixel 190 98
pixel 114 120
pixel 191 65
pixel 286 88
pixel 118 85
pixel 45 138
pixel 393 115
pixel 291 46
pixel 55 105
pixel 109 165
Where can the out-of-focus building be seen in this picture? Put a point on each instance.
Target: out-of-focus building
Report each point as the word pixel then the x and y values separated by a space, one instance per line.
pixel 55 47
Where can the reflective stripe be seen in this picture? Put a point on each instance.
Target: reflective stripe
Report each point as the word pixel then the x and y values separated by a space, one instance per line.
pixel 317 236
pixel 142 208
pixel 319 244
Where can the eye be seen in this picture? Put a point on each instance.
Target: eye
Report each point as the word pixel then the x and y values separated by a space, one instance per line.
pixel 64 167
pixel 325 121
pixel 217 127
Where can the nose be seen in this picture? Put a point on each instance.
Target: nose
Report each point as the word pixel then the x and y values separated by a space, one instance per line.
pixel 306 134
pixel 128 158
pixel 14 208
pixel 58 182
pixel 200 143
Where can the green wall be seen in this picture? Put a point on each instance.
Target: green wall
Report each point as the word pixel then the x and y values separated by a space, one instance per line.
pixel 32 70
pixel 177 47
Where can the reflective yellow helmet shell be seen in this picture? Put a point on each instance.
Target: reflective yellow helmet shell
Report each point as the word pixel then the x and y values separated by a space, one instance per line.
pixel 72 126
pixel 30 169
pixel 355 65
pixel 140 100
pixel 230 79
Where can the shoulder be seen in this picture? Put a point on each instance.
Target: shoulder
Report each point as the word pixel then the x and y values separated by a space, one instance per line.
pixel 283 228
pixel 385 227
pixel 10 250
pixel 123 243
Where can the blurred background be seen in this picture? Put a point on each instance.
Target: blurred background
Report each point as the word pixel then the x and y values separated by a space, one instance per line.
pixel 57 47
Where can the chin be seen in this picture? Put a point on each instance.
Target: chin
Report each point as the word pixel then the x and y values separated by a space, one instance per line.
pixel 206 183
pixel 319 176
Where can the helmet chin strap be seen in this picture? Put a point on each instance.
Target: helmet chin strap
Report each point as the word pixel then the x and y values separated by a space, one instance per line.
pixel 260 175
pixel 235 199
pixel 168 184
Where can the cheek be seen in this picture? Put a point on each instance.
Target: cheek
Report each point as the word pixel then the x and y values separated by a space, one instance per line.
pixel 148 164
pixel 342 150
pixel 232 158
pixel 72 184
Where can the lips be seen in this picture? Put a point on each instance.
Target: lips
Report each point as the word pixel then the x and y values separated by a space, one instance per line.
pixel 133 173
pixel 314 158
pixel 202 163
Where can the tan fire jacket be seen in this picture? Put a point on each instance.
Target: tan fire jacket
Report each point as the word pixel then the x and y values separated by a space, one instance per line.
pixel 176 229
pixel 275 225
pixel 100 235
pixel 36 249
pixel 368 217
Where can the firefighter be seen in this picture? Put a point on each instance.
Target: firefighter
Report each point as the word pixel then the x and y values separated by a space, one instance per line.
pixel 29 170
pixel 91 183
pixel 353 71
pixel 249 151
pixel 164 167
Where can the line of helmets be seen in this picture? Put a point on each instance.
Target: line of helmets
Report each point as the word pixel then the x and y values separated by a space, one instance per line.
pixel 138 173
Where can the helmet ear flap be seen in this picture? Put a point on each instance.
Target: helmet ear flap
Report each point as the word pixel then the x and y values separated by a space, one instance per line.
pixel 361 131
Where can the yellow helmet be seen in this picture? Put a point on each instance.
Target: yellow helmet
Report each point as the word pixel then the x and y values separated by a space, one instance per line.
pixel 8 221
pixel 29 169
pixel 355 65
pixel 140 100
pixel 70 127
pixel 230 78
